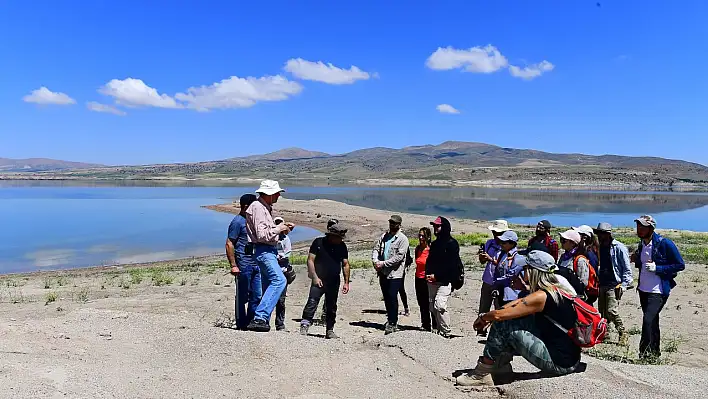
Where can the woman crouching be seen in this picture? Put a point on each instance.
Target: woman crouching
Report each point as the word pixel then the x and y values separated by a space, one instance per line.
pixel 522 327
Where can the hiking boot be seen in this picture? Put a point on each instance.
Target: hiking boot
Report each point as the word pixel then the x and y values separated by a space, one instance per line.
pixel 390 328
pixel 258 326
pixel 280 328
pixel 331 335
pixel 304 328
pixel 623 339
pixel 479 377
pixel 444 334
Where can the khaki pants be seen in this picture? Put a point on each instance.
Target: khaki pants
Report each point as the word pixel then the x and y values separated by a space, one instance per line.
pixel 608 307
pixel 438 295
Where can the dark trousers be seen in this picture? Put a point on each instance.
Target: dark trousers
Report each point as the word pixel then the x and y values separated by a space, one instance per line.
pixel 427 320
pixel 330 290
pixel 650 344
pixel 390 289
pixel 485 298
pixel 404 296
pixel 280 309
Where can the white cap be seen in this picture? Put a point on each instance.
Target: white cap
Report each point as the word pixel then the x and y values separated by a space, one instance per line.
pixel 571 235
pixel 499 226
pixel 269 187
pixel 584 229
pixel 509 236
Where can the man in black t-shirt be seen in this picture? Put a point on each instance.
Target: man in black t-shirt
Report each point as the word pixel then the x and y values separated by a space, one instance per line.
pixel 327 259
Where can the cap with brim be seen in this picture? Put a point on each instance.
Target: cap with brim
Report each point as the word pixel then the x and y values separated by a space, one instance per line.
pixel 499 226
pixel 509 236
pixel 395 219
pixel 436 222
pixel 337 230
pixel 571 235
pixel 546 224
pixel 541 260
pixel 646 220
pixel 584 229
pixel 603 227
pixel 269 187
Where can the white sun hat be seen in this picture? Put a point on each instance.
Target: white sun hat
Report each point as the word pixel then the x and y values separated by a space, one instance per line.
pixel 499 226
pixel 584 229
pixel 269 187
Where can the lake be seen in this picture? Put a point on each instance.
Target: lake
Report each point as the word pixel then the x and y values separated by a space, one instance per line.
pixel 55 225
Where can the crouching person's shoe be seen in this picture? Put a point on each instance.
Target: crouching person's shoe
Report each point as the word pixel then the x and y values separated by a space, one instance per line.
pixel 481 376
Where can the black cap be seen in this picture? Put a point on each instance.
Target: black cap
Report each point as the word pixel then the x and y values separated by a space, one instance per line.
pixel 247 200
pixel 546 224
pixel 396 219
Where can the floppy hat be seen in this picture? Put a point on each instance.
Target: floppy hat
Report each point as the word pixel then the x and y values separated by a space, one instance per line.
pixel 646 220
pixel 603 227
pixel 571 235
pixel 395 219
pixel 499 226
pixel 269 187
pixel 541 260
pixel 509 236
pixel 584 229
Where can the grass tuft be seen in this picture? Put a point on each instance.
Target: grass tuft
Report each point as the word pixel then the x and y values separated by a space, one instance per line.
pixel 50 297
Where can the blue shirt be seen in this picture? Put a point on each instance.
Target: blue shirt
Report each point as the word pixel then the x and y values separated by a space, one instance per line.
pixel 509 265
pixel 492 248
pixel 387 246
pixel 239 237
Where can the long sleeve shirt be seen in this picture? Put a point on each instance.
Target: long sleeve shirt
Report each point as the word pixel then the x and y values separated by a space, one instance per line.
pixel 260 225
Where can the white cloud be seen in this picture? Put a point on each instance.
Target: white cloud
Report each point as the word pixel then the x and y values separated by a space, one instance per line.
pixel 45 96
pixel 236 92
pixel 135 93
pixel 109 109
pixel 475 59
pixel 531 71
pixel 447 109
pixel 326 73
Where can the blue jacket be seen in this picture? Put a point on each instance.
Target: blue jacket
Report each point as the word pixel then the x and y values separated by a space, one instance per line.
pixel 668 261
pixel 620 263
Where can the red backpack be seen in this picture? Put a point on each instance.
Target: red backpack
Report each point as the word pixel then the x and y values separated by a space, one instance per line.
pixel 590 329
pixel 593 287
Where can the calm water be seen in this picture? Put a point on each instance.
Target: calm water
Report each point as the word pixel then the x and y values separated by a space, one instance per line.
pixel 47 225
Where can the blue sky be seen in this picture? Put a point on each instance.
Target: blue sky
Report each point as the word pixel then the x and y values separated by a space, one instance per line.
pixel 624 78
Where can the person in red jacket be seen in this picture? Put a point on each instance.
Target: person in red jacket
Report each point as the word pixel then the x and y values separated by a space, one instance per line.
pixel 427 320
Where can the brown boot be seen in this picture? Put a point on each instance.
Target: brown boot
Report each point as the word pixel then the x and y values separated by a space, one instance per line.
pixel 479 377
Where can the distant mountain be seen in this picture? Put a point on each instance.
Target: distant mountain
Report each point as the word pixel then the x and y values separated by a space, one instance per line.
pixel 288 154
pixel 41 164
pixel 450 163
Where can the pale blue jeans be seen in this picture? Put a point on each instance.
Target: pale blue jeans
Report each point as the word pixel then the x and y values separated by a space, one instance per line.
pixel 272 279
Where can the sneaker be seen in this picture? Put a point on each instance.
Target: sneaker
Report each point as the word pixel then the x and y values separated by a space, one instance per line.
pixel 444 334
pixel 331 335
pixel 304 329
pixel 258 326
pixel 280 328
pixel 479 377
pixel 390 328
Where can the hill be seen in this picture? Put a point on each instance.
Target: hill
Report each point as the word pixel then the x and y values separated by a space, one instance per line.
pixel 41 164
pixel 450 163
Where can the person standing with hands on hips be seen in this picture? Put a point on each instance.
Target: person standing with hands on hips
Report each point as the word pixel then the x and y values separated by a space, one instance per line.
pixel 659 262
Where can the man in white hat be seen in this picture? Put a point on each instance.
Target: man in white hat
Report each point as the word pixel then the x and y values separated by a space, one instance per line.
pixel 265 234
pixel 487 254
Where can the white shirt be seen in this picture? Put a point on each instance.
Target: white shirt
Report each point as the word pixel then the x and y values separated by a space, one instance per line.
pixel 649 282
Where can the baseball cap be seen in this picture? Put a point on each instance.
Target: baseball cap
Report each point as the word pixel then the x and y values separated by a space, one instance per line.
pixel 395 219
pixel 571 235
pixel 337 230
pixel 499 226
pixel 546 224
pixel 584 229
pixel 603 227
pixel 646 220
pixel 509 235
pixel 436 222
pixel 541 260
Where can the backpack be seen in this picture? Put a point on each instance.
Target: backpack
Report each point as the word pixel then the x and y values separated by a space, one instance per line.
pixel 409 259
pixel 593 288
pixel 590 329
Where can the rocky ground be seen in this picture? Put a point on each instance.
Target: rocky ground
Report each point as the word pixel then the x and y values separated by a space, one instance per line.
pixel 162 330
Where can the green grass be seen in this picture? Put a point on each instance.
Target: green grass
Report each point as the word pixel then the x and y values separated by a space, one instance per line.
pixel 635 330
pixel 62 281
pixel 671 344
pixel 160 277
pixel 50 297
pixel 82 295
pixel 298 259
pixel 136 276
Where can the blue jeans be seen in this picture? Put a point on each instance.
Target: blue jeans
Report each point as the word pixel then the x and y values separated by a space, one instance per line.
pixel 272 279
pixel 250 292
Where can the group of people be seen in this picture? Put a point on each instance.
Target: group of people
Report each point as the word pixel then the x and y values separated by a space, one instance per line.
pixel 532 290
